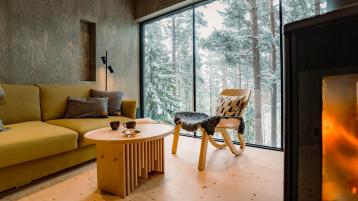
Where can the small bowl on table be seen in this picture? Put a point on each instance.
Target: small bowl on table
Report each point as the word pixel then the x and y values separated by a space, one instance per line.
pixel 115 125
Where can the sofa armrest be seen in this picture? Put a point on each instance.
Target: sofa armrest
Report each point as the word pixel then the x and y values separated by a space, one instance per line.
pixel 129 108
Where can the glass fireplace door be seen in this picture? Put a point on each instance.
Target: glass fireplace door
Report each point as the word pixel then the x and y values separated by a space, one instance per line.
pixel 340 138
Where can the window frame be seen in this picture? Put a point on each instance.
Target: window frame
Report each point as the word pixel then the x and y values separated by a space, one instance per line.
pixel 192 7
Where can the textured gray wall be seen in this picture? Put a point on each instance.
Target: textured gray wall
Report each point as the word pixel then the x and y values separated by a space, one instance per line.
pixel 39 42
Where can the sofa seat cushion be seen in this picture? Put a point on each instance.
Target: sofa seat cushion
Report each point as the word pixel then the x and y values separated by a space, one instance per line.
pixel 33 140
pixel 84 125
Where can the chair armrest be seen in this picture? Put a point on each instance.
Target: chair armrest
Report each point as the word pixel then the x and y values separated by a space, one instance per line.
pixel 129 108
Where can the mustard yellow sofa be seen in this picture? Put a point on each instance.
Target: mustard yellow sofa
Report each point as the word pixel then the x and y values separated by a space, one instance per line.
pixel 38 141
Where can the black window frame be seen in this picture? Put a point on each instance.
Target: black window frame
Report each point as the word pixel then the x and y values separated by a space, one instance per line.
pixel 192 7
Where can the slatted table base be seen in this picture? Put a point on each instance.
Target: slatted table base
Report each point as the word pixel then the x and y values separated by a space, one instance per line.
pixel 120 165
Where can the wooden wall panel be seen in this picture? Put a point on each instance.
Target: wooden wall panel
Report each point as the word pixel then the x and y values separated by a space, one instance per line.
pixel 147 7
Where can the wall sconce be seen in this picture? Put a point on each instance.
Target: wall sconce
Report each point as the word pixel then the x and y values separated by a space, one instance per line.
pixel 108 68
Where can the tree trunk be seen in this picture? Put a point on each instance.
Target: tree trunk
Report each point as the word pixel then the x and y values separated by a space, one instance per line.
pixel 211 88
pixel 224 75
pixel 273 84
pixel 317 7
pixel 174 60
pixel 238 27
pixel 256 66
pixel 239 76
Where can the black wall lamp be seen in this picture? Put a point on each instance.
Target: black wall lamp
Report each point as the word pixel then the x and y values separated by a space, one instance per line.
pixel 108 67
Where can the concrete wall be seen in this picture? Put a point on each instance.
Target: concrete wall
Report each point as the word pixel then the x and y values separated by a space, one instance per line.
pixel 39 41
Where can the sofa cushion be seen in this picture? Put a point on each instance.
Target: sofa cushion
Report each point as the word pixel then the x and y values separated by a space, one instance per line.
pixel 84 125
pixel 114 100
pixel 129 108
pixel 21 103
pixel 86 108
pixel 54 98
pixel 33 140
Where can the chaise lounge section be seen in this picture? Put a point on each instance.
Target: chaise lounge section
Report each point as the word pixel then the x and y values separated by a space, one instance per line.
pixel 38 141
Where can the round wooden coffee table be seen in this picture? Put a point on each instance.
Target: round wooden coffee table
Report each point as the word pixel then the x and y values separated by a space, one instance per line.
pixel 122 160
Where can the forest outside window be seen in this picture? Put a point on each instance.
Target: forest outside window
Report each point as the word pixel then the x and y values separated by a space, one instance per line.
pixel 191 55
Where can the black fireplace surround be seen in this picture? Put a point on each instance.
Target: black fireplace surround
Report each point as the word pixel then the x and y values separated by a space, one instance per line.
pixel 315 47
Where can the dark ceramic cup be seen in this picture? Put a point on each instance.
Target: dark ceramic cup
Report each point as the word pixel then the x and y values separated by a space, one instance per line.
pixel 130 124
pixel 115 125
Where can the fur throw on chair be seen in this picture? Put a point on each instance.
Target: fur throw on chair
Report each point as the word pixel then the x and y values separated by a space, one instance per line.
pixel 191 121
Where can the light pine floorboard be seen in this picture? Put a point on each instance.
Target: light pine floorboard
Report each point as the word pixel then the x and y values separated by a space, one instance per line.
pixel 255 175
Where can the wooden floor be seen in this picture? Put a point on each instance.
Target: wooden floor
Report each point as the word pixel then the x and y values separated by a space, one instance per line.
pixel 256 175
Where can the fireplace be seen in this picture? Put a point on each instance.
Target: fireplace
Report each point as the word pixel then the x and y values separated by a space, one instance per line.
pixel 340 137
pixel 321 107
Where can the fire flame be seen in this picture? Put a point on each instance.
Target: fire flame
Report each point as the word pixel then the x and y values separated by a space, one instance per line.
pixel 340 156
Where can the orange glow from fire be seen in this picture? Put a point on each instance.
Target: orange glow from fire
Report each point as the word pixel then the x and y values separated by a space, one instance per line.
pixel 354 190
pixel 334 133
pixel 340 139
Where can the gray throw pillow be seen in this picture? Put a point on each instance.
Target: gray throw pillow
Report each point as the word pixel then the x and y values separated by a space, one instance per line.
pixel 86 107
pixel 114 100
pixel 2 128
pixel 2 92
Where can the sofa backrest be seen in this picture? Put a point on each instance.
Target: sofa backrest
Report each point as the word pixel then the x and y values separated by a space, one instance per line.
pixel 21 103
pixel 54 98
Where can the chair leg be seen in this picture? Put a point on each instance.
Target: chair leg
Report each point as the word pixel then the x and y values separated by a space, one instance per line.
pixel 176 138
pixel 229 143
pixel 242 141
pixel 215 144
pixel 203 150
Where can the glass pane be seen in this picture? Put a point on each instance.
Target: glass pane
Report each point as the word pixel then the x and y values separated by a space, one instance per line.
pixel 239 47
pixel 294 10
pixel 168 66
pixel 340 137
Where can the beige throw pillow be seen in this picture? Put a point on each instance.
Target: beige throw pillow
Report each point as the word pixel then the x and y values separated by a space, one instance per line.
pixel 229 106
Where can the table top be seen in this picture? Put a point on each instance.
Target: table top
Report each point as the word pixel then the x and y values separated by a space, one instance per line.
pixel 147 132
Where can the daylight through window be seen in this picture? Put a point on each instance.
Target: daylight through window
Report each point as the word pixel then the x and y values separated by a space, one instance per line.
pixel 190 56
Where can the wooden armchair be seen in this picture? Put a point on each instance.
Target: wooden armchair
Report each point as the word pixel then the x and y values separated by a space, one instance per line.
pixel 224 124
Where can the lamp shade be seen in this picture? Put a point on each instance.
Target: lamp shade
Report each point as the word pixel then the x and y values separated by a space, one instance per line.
pixel 2 92
pixel 104 60
pixel 110 69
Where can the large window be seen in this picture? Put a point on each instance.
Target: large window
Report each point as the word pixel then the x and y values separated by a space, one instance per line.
pixel 168 66
pixel 191 55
